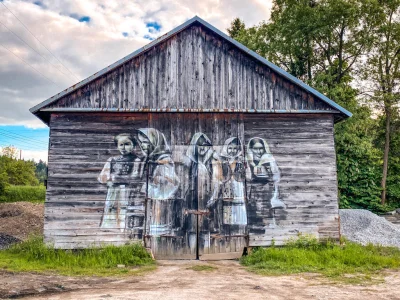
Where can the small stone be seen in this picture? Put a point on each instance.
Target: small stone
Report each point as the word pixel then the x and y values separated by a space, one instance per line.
pixel 120 266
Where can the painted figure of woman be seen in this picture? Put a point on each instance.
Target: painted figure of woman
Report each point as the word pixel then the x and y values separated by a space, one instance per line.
pixel 162 183
pixel 234 206
pixel 205 178
pixel 264 175
pixel 118 173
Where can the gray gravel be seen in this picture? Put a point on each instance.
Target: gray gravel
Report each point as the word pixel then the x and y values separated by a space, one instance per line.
pixel 364 227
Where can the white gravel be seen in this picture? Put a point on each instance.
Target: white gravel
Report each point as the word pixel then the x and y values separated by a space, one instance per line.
pixel 364 227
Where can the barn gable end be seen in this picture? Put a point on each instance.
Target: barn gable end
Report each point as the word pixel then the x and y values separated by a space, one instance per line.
pixel 193 145
pixel 195 69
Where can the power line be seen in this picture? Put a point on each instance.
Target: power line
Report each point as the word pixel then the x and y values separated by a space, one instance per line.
pixel 11 132
pixel 40 42
pixel 30 66
pixel 4 140
pixel 17 139
pixel 41 55
pixel 21 138
pixel 23 147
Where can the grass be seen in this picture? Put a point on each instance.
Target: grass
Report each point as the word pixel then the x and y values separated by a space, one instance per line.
pixel 202 268
pixel 34 256
pixel 14 193
pixel 349 263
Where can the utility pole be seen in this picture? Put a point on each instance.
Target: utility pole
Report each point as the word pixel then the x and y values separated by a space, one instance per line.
pixel 20 154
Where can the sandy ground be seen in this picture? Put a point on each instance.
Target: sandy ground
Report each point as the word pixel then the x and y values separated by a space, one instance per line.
pixel 175 280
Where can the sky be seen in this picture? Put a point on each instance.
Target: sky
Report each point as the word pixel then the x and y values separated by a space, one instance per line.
pixel 48 46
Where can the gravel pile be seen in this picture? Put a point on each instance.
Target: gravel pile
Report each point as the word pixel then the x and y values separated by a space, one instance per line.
pixel 362 226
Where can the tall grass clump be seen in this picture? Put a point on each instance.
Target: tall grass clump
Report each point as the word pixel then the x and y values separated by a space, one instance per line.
pixel 14 193
pixel 34 255
pixel 307 254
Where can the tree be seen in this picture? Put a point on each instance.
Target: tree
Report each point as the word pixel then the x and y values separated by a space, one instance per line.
pixel 236 29
pixel 10 152
pixel 41 171
pixel 383 73
pixel 307 37
pixel 14 171
pixel 324 43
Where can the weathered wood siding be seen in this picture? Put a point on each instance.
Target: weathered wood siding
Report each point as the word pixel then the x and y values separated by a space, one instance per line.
pixel 194 69
pixel 303 148
pixel 301 145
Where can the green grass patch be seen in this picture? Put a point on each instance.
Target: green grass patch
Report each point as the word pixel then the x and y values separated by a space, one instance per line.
pixel 15 193
pixel 34 256
pixel 350 262
pixel 202 268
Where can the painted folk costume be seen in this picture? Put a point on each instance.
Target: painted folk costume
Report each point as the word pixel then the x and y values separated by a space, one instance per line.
pixel 119 173
pixel 205 179
pixel 264 176
pixel 163 182
pixel 234 206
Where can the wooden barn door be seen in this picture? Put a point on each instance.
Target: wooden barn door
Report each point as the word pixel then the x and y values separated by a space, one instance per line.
pixel 222 229
pixel 220 191
pixel 206 219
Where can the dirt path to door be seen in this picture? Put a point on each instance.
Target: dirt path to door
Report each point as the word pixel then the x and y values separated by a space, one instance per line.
pixel 178 280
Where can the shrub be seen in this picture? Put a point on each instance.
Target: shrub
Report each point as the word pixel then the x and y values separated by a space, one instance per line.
pixel 14 193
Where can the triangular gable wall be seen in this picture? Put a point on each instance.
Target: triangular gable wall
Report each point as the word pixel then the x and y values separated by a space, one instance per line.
pixel 193 70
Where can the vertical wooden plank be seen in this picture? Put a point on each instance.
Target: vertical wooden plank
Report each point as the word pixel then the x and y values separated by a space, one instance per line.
pixel 115 85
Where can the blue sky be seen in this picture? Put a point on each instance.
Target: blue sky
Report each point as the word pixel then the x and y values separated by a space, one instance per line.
pixel 31 141
pixel 47 46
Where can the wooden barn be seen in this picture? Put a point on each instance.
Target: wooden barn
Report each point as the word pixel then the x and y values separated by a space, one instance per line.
pixel 193 145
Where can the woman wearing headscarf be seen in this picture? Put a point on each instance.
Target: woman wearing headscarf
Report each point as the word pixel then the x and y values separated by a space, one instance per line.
pixel 264 175
pixel 205 178
pixel 162 180
pixel 120 173
pixel 234 206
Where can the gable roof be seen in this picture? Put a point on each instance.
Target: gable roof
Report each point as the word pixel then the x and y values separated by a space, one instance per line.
pixel 344 113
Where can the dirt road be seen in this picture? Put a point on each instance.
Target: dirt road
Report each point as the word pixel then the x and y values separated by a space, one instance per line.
pixel 176 280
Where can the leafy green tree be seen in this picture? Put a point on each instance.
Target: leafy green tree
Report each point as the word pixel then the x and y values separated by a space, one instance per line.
pixel 14 171
pixel 312 37
pixel 41 171
pixel 393 177
pixel 236 29
pixel 382 72
pixel 324 43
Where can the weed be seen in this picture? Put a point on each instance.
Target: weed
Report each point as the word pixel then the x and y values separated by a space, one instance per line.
pixel 202 268
pixel 307 254
pixel 34 255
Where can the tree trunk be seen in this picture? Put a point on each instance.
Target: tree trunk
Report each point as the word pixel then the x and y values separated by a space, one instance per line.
pixel 385 157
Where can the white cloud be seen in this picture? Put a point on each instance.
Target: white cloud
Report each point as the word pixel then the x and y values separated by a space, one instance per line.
pixel 31 154
pixel 35 155
pixel 87 47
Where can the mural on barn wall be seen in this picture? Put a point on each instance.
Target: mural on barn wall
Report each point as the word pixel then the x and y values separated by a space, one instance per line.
pixel 123 176
pixel 263 175
pixel 215 189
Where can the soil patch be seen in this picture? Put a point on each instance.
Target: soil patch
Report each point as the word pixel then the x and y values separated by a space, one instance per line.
pixel 21 219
